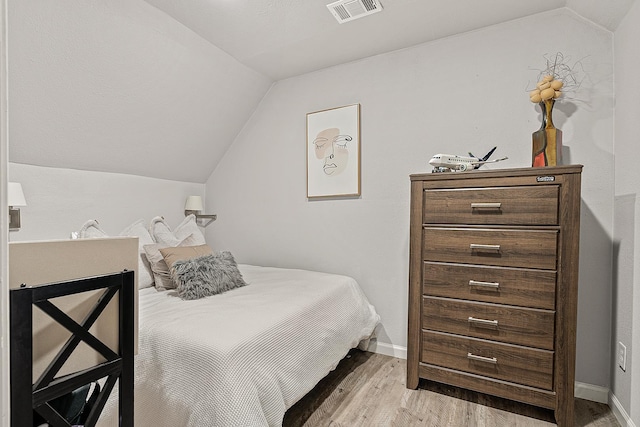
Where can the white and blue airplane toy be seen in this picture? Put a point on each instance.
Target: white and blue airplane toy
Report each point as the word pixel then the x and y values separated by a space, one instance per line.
pixel 453 163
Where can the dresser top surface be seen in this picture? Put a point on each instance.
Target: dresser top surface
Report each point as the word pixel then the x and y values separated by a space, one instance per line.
pixel 488 173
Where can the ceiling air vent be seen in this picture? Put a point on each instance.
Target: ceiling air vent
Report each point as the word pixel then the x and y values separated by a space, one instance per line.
pixel 348 10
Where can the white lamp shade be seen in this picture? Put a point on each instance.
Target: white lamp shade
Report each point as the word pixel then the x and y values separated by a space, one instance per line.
pixel 194 203
pixel 15 195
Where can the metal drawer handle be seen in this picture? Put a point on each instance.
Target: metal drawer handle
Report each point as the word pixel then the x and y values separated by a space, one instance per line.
pixel 486 205
pixel 477 247
pixel 492 285
pixel 483 322
pixel 492 360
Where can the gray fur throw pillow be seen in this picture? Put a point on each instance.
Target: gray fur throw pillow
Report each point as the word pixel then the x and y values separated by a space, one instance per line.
pixel 206 275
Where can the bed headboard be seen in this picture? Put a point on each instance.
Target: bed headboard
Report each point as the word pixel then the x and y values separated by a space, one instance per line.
pixel 35 263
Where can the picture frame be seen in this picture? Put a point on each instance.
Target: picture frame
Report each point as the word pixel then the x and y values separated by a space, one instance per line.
pixel 333 152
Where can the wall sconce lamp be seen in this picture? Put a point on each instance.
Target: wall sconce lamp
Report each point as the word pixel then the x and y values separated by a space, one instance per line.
pixel 194 206
pixel 15 198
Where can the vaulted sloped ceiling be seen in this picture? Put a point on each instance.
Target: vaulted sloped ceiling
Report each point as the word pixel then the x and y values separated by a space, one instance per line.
pixel 282 38
pixel 119 86
pixel 161 88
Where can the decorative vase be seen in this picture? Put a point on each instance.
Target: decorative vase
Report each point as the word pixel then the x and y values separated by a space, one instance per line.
pixel 547 141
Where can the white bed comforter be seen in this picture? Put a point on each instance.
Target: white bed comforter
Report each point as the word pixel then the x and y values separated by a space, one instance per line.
pixel 244 357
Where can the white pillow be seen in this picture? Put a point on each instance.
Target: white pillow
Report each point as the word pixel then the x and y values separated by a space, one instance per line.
pixel 139 230
pixel 161 275
pixel 161 232
pixel 91 230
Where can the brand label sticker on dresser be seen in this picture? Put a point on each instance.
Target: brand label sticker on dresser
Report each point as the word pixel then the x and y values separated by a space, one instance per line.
pixel 545 178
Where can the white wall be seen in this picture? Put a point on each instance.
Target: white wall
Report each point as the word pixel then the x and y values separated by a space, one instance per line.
pixel 59 201
pixel 626 304
pixel 468 92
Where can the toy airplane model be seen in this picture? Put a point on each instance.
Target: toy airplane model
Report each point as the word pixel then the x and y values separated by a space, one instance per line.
pixel 452 163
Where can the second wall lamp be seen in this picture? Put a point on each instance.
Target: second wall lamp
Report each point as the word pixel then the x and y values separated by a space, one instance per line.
pixel 15 197
pixel 194 206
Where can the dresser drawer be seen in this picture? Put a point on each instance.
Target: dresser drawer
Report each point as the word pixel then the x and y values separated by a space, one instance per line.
pixel 522 365
pixel 525 326
pixel 525 205
pixel 501 247
pixel 513 286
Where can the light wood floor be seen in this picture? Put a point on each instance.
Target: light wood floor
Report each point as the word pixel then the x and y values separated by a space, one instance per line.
pixel 368 389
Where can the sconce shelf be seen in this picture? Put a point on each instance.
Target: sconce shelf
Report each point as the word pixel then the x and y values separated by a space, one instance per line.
pixel 194 206
pixel 15 198
pixel 206 219
pixel 14 219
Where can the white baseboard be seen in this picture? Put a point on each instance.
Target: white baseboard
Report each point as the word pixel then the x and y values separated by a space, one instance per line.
pixel 594 393
pixel 387 349
pixel 618 411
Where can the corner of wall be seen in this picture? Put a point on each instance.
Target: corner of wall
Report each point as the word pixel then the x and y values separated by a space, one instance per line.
pixel 387 349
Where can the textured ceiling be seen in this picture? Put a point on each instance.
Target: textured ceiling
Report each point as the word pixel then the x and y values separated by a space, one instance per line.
pixel 283 38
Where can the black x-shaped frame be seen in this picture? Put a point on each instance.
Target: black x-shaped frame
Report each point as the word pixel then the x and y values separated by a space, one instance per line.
pixel 27 396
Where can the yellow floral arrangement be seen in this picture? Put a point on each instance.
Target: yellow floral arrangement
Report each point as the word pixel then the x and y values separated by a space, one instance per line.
pixel 556 79
pixel 547 88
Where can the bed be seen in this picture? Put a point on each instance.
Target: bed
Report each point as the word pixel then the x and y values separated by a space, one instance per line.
pixel 242 358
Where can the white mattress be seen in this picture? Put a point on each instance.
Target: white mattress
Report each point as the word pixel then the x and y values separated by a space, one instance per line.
pixel 244 357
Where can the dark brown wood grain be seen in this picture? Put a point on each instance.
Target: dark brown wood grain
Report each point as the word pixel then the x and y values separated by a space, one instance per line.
pixel 514 286
pixel 525 205
pixel 484 384
pixel 567 312
pixel 515 325
pixel 517 364
pixel 526 240
pixel 415 288
pixel 517 248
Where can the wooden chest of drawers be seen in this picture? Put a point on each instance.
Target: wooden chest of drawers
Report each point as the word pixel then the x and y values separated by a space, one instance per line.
pixel 493 283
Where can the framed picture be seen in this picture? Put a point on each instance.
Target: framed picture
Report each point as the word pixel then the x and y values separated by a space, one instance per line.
pixel 333 152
